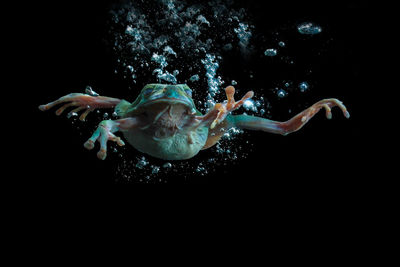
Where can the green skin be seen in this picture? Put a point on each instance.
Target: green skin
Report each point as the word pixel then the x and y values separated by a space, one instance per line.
pixel 164 122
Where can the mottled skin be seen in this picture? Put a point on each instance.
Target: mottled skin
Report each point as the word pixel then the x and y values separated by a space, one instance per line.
pixel 164 122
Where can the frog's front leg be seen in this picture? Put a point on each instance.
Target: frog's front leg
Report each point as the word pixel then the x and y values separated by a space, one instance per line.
pixel 221 110
pixel 105 131
pixel 81 102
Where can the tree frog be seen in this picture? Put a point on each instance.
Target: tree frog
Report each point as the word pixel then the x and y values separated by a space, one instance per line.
pixel 164 122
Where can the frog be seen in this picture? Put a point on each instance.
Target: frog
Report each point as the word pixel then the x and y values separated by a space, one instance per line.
pixel 164 122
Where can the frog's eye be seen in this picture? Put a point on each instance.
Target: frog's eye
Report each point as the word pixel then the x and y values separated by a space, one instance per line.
pixel 188 92
pixel 148 91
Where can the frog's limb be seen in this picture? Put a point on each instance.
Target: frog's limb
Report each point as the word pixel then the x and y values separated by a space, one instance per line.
pixel 217 132
pixel 104 132
pixel 284 128
pixel 81 102
pixel 292 125
pixel 221 110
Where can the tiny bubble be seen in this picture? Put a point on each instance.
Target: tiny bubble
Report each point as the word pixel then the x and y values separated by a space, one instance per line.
pixel 303 86
pixel 270 52
pixel 155 169
pixel 281 93
pixel 72 114
pixel 167 165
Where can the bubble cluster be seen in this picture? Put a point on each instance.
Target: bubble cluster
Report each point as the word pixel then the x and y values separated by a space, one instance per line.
pixel 243 33
pixel 211 66
pixel 162 31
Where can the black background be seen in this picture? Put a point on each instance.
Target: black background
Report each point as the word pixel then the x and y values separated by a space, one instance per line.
pixel 66 49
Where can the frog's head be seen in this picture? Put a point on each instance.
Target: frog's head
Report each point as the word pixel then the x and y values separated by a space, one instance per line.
pixel 164 109
pixel 153 95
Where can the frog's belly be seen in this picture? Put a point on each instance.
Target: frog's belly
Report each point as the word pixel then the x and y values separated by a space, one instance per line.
pixel 176 147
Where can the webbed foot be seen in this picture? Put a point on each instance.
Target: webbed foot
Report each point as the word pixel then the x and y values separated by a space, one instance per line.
pixel 225 108
pixel 104 133
pixel 327 104
pixel 81 102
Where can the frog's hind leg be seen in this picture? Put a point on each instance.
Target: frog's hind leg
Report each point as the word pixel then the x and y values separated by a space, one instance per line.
pixel 292 125
pixel 81 102
pixel 270 126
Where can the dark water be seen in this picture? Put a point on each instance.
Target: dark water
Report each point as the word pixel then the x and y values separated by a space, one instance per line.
pixel 73 47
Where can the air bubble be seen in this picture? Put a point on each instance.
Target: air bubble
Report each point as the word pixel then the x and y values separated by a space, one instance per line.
pixel 167 165
pixel 202 20
pixel 142 163
pixel 194 78
pixel 249 104
pixel 309 28
pixel 130 68
pixel 155 169
pixel 303 86
pixel 270 52
pixel 281 93
pixel 169 50
pixel 89 91
pixel 72 114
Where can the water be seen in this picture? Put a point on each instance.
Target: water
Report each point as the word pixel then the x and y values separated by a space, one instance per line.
pixel 178 42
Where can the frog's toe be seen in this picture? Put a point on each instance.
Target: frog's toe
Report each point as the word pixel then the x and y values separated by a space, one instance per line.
pixel 102 154
pixel 89 144
pixel 44 107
